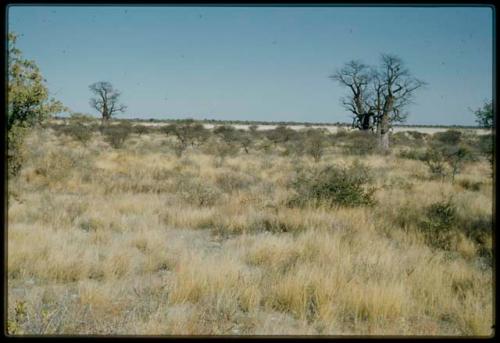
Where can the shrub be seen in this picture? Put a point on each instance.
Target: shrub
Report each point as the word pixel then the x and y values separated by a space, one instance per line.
pixel 361 143
pixel 116 135
pixel 401 138
pixel 16 149
pixel 440 218
pixel 434 159
pixel 333 185
pixel 140 129
pixel 413 154
pixel 197 192
pixel 78 131
pixel 453 156
pixel 315 143
pixel 449 137
pixel 486 147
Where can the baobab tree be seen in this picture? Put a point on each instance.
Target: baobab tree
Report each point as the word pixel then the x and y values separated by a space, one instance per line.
pixel 106 100
pixel 357 77
pixel 378 96
pixel 396 90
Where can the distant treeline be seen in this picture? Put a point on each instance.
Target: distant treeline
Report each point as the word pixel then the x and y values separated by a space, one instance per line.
pixel 256 122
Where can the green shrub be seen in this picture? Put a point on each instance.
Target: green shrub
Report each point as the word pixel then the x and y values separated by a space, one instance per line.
pixel 16 149
pixel 333 185
pixel 440 218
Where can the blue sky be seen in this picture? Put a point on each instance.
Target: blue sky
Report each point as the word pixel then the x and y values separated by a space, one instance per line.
pixel 256 63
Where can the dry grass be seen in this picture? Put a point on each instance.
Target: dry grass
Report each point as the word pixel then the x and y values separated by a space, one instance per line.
pixel 138 241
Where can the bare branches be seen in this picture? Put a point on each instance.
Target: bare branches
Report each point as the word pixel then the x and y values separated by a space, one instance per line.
pixel 357 77
pixel 379 95
pixel 106 99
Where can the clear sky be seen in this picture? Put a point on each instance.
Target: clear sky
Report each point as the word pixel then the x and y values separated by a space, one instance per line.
pixel 256 63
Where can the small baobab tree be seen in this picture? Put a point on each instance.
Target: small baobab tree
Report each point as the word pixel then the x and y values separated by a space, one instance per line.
pixel 106 100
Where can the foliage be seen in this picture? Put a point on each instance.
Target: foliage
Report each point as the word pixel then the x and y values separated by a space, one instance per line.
pixel 447 148
pixel 187 132
pixel 334 185
pixel 79 127
pixel 440 218
pixel 28 102
pixel 484 115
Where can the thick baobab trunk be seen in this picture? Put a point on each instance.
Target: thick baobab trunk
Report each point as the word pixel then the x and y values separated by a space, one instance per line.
pixel 384 125
pixel 384 139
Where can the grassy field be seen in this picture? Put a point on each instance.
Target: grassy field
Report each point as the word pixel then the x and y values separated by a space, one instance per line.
pixel 140 238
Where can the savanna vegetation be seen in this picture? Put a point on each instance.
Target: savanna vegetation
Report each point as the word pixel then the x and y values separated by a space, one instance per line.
pixel 115 227
pixel 179 229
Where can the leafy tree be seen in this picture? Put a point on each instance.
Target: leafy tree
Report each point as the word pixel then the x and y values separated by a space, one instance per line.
pixel 28 102
pixel 485 118
pixel 484 115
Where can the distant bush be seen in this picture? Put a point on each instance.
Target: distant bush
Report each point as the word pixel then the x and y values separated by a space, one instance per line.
pixel 140 129
pixel 333 185
pixel 116 135
pixel 450 137
pixel 360 143
pixel 78 131
pixel 315 143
